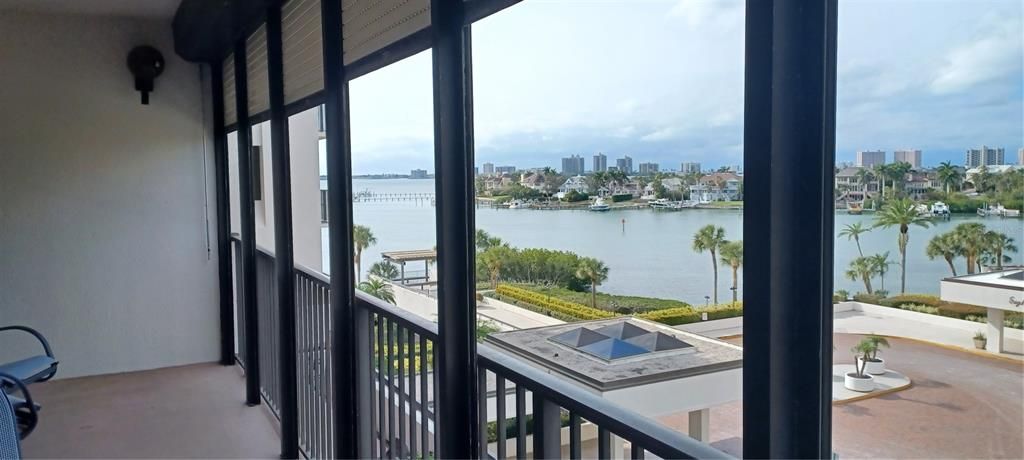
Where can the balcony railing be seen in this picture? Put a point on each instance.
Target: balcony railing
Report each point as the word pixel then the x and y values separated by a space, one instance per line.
pixel 402 421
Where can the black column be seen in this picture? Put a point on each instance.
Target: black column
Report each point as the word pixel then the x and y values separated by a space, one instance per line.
pixel 351 424
pixel 789 156
pixel 248 230
pixel 284 259
pixel 453 169
pixel 220 165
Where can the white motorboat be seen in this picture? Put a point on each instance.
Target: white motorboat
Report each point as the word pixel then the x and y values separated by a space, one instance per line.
pixel 940 209
pixel 599 205
pixel 517 204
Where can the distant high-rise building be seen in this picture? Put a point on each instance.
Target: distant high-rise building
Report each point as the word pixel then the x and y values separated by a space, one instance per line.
pixel 613 168
pixel 418 174
pixel 1020 156
pixel 573 165
pixel 600 162
pixel 625 164
pixel 504 169
pixel 647 169
pixel 870 158
pixel 488 169
pixel 908 156
pixel 984 156
pixel 690 167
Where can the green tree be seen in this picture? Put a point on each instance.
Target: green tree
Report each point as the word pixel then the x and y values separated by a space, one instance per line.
pixel 362 238
pixel 379 289
pixel 898 173
pixel 485 241
pixel 384 269
pixel 901 213
pixel 881 264
pixel 864 176
pixel 709 239
pixel 970 239
pixel 595 272
pixel 863 269
pixel 948 175
pixel 853 232
pixel 998 245
pixel 945 246
pixel 494 260
pixel 732 255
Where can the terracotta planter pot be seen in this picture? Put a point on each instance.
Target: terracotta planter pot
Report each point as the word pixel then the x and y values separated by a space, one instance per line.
pixel 864 384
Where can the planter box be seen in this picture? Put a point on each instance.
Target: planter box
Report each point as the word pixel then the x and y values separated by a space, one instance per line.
pixel 874 367
pixel 864 385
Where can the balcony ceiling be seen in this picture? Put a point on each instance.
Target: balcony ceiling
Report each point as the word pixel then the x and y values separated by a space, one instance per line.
pixel 156 9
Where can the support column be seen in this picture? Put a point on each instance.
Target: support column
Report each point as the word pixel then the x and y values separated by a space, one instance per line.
pixel 350 338
pixel 700 425
pixel 995 330
pixel 220 155
pixel 247 231
pixel 284 255
pixel 789 132
pixel 453 167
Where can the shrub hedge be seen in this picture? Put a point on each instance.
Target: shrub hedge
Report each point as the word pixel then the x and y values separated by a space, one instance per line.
pixel 622 197
pixel 561 309
pixel 686 315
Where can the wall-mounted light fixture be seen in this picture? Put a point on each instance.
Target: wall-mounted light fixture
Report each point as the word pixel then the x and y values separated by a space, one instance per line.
pixel 146 63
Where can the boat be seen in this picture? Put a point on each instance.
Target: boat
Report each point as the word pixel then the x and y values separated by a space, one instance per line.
pixel 599 205
pixel 923 210
pixel 999 211
pixel 940 209
pixel 661 203
pixel 854 207
pixel 517 204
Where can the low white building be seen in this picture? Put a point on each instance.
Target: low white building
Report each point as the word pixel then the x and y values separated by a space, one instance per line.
pixel 576 184
pixel 999 292
pixel 721 186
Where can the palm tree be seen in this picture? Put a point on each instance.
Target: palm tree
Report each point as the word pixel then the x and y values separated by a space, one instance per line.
pixel 862 268
pixel 708 239
pixel 881 264
pixel 881 172
pixel 998 245
pixel 901 213
pixel 362 238
pixel 493 260
pixel 384 269
pixel 945 246
pixel 853 232
pixel 594 271
pixel 863 176
pixel 732 255
pixel 379 289
pixel 485 241
pixel 948 175
pixel 970 239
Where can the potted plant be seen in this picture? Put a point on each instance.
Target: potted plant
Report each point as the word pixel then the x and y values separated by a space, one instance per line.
pixel 859 379
pixel 873 364
pixel 980 340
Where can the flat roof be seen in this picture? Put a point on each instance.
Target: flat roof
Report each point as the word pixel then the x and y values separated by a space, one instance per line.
pixel 410 256
pixel 605 368
pixel 1007 279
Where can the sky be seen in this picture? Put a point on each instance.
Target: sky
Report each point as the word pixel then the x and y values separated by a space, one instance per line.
pixel 662 81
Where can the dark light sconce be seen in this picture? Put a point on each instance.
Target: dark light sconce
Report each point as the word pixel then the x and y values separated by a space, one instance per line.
pixel 146 63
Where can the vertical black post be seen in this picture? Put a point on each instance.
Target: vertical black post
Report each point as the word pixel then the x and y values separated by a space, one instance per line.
pixel 220 167
pixel 349 339
pixel 248 230
pixel 789 153
pixel 284 260
pixel 453 169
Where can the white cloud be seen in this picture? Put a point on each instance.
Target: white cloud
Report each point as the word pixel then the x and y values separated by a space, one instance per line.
pixel 987 57
pixel 717 13
pixel 662 134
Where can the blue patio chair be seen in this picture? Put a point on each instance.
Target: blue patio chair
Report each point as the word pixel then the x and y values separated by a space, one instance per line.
pixel 18 417
pixel 38 368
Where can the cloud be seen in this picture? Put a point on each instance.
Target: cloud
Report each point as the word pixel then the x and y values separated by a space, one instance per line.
pixel 982 59
pixel 662 134
pixel 699 13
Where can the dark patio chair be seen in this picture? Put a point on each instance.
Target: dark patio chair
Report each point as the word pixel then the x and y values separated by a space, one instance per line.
pixel 18 416
pixel 38 368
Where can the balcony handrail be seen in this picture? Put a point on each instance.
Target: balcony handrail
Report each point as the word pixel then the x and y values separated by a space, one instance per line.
pixel 642 431
pixel 417 324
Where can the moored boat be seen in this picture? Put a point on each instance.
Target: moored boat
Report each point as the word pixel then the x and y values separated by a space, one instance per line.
pixel 599 205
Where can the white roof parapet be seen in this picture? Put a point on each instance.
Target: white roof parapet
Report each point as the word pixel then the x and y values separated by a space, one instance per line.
pixel 1003 290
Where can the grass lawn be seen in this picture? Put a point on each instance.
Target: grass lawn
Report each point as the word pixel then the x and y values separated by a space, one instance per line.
pixel 610 302
pixel 725 204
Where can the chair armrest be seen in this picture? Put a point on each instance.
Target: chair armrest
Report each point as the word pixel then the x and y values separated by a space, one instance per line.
pixel 35 333
pixel 29 407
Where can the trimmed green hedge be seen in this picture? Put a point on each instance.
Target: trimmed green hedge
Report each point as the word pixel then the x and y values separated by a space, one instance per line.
pixel 686 315
pixel 621 197
pixel 622 304
pixel 561 309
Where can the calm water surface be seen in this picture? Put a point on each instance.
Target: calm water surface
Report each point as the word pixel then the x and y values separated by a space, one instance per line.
pixel 652 255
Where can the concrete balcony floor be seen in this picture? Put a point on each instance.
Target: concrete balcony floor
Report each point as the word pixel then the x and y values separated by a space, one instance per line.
pixel 195 411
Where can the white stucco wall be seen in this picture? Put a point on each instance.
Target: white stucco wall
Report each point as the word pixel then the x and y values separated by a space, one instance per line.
pixel 105 211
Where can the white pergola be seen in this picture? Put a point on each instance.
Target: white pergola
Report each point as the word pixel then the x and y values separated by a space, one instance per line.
pixel 998 291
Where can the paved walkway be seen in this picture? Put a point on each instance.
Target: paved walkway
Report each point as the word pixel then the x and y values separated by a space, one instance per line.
pixel 962 405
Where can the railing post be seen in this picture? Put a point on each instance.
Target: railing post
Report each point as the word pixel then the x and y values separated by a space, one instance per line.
pixel 248 230
pixel 284 258
pixel 220 162
pixel 350 341
pixel 453 167
pixel 789 132
pixel 547 429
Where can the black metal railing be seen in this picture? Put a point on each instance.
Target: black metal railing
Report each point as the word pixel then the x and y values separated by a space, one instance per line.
pixel 236 260
pixel 524 411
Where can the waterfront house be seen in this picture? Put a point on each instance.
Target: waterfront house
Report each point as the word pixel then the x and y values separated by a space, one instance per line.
pixel 718 186
pixel 193 334
pixel 576 184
